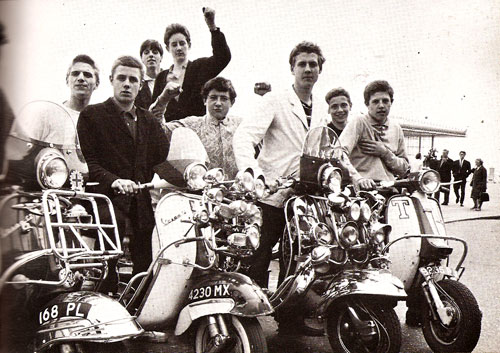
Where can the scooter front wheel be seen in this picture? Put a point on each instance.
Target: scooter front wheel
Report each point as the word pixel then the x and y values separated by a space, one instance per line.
pixel 381 331
pixel 245 335
pixel 462 334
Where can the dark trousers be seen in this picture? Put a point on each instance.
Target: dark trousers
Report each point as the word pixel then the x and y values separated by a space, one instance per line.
pixel 459 189
pixel 272 230
pixel 444 192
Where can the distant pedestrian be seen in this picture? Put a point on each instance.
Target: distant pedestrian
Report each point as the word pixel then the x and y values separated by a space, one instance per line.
pixel 416 163
pixel 445 167
pixel 478 184
pixel 461 170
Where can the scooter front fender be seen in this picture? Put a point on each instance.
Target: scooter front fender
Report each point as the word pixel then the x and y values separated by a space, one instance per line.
pixel 366 282
pixel 222 293
pixel 84 316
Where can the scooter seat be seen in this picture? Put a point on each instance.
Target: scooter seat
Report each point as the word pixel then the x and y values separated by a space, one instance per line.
pixel 440 248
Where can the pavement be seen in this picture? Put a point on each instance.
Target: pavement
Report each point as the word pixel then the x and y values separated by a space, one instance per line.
pixel 489 210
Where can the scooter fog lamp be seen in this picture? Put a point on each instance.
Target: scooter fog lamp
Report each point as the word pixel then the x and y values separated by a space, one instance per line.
pixel 253 236
pixel 319 259
pixel 349 235
pixel 215 194
pixel 380 232
pixel 365 212
pixel 215 174
pixel 52 170
pixel 238 207
pixel 245 181
pixel 253 214
pixel 354 211
pixel 330 178
pixel 237 239
pixel 321 233
pixel 429 181
pixel 194 174
pixel 260 187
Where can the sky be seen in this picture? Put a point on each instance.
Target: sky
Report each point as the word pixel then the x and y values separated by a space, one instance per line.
pixel 441 57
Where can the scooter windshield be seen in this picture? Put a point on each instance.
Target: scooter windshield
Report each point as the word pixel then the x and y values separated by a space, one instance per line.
pixel 39 127
pixel 185 148
pixel 323 143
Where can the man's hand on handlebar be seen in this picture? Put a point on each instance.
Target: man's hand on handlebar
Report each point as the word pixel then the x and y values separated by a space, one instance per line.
pixel 125 186
pixel 365 184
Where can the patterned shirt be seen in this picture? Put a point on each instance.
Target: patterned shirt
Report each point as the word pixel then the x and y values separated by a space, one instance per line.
pixel 217 137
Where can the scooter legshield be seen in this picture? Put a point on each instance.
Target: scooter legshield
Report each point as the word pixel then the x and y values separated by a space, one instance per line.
pixel 366 282
pixel 84 316
pixel 222 293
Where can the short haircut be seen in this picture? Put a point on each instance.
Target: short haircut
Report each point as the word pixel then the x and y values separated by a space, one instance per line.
pixel 378 86
pixel 306 47
pixel 151 44
pixel 337 92
pixel 480 161
pixel 173 29
pixel 220 84
pixel 128 61
pixel 445 150
pixel 418 155
pixel 462 152
pixel 83 58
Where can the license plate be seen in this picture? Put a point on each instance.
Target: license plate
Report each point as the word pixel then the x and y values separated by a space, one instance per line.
pixel 67 309
pixel 433 271
pixel 211 291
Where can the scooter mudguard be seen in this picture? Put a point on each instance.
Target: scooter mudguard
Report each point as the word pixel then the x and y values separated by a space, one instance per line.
pixel 222 293
pixel 83 316
pixel 413 215
pixel 366 282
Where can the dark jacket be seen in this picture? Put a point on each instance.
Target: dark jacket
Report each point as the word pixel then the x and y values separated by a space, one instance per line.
pixel 198 72
pixel 478 182
pixel 111 153
pixel 461 173
pixel 144 97
pixel 445 169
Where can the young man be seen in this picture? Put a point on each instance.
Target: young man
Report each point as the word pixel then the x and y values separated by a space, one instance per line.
pixel 216 128
pixel 121 144
pixel 82 79
pixel 445 168
pixel 461 170
pixel 374 142
pixel 151 56
pixel 339 106
pixel 281 123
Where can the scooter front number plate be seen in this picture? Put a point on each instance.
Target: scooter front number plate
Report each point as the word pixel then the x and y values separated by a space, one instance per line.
pixel 56 311
pixel 211 291
pixel 435 271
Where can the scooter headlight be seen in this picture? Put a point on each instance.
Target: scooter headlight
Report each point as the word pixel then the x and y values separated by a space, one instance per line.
pixel 380 232
pixel 215 195
pixel 429 181
pixel 365 212
pixel 194 174
pixel 322 234
pixel 354 211
pixel 349 234
pixel 253 214
pixel 52 170
pixel 253 236
pixel 215 175
pixel 331 178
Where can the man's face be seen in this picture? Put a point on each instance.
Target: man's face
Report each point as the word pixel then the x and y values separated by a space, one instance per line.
pixel 151 58
pixel 445 154
pixel 218 104
pixel 339 108
pixel 126 82
pixel 306 70
pixel 462 155
pixel 81 80
pixel 379 106
pixel 178 47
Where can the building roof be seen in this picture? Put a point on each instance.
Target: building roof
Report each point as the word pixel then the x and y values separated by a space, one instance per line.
pixel 424 128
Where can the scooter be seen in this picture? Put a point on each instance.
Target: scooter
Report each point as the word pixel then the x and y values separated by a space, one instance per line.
pixel 331 251
pixel 47 261
pixel 420 252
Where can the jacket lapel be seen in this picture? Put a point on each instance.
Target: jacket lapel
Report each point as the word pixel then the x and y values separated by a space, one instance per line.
pixel 115 118
pixel 297 108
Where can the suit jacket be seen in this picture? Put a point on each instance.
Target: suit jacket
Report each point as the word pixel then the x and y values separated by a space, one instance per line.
pixel 144 97
pixel 281 124
pixel 479 181
pixel 445 170
pixel 461 173
pixel 198 72
pixel 111 153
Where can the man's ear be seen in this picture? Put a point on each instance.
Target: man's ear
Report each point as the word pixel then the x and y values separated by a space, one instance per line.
pixel 111 78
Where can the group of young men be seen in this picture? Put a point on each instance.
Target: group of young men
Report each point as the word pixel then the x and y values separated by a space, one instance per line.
pixel 123 138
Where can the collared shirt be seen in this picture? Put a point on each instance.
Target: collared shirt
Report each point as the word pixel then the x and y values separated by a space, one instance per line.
pixel 176 77
pixel 394 162
pixel 130 119
pixel 150 81
pixel 217 138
